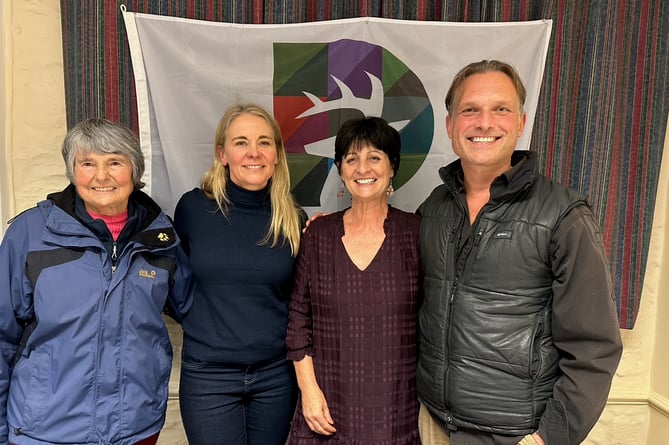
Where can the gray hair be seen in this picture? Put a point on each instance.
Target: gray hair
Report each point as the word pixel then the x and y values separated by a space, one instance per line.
pixel 102 136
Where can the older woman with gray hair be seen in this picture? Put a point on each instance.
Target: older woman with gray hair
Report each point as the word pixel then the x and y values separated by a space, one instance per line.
pixel 84 279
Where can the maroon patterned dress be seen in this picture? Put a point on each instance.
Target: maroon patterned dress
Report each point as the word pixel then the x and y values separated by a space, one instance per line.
pixel 360 328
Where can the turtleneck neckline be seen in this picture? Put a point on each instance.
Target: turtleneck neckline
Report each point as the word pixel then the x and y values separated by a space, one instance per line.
pixel 248 198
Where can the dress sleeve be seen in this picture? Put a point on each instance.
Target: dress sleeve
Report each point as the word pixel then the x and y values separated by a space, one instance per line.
pixel 585 330
pixel 299 336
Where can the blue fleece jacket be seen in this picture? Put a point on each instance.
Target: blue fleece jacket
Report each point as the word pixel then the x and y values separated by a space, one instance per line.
pixel 85 354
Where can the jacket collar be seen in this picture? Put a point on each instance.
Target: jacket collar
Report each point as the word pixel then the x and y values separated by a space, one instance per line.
pixel 67 198
pixel 157 236
pixel 521 175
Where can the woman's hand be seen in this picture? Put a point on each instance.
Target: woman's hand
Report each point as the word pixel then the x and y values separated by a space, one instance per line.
pixel 314 406
pixel 316 412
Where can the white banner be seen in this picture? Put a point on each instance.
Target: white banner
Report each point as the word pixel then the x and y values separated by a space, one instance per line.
pixel 312 77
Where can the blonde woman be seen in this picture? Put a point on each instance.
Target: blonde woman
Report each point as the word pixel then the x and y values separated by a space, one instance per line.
pixel 241 229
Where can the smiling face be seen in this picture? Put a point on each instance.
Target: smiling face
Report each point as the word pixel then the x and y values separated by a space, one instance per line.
pixel 104 182
pixel 366 173
pixel 486 121
pixel 249 151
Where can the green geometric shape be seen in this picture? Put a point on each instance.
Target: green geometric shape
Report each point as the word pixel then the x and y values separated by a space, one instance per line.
pixel 393 69
pixel 299 67
pixel 409 165
pixel 300 164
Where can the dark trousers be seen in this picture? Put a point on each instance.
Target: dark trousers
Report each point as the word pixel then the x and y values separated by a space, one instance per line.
pixel 251 405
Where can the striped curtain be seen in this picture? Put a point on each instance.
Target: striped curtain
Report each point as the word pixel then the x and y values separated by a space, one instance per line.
pixel 601 116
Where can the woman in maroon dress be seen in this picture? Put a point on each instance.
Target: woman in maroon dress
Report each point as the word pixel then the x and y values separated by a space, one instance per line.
pixel 352 315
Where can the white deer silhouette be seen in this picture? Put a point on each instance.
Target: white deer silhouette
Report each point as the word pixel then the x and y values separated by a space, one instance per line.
pixel 369 107
pixel 372 106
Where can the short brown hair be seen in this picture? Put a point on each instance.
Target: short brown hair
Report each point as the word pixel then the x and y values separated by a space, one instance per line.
pixel 485 66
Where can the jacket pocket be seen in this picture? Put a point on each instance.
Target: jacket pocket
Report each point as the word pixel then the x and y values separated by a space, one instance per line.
pixel 28 398
pixel 536 357
pixel 146 387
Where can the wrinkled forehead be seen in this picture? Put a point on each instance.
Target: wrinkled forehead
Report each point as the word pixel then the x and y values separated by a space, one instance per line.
pixel 96 153
pixel 494 86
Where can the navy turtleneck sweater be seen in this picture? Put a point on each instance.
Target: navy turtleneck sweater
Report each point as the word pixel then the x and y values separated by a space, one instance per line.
pixel 240 305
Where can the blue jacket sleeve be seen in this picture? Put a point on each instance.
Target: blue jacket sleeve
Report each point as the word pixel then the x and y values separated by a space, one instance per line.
pixel 15 304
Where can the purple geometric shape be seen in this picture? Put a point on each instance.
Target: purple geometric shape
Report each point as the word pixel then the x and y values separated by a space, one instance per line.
pixel 314 129
pixel 348 60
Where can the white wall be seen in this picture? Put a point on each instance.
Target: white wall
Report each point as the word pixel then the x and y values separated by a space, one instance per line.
pixel 33 103
pixel 658 284
pixel 4 170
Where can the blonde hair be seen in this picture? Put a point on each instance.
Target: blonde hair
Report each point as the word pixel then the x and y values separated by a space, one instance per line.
pixel 285 212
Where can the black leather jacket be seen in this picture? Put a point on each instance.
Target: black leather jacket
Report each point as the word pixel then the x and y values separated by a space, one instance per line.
pixel 487 358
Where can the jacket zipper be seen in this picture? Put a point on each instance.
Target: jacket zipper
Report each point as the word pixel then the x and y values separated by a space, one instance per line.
pixel 114 258
pixel 477 239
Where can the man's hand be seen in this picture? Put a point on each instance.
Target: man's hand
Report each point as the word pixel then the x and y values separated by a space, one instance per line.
pixel 313 218
pixel 537 438
pixel 532 439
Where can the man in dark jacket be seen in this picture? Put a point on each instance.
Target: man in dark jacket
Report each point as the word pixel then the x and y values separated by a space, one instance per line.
pixel 519 336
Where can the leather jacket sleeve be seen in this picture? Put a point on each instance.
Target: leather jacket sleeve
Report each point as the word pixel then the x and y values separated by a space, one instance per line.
pixel 585 329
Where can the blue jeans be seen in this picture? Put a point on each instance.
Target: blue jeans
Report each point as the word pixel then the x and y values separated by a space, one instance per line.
pixel 245 405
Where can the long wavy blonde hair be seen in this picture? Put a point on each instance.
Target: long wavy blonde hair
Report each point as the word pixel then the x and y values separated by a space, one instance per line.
pixel 286 221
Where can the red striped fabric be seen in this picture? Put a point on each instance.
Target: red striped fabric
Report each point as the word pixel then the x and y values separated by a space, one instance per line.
pixel 602 110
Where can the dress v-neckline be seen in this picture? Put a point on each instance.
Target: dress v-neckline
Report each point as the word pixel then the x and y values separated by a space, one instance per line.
pixel 348 254
pixel 371 261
